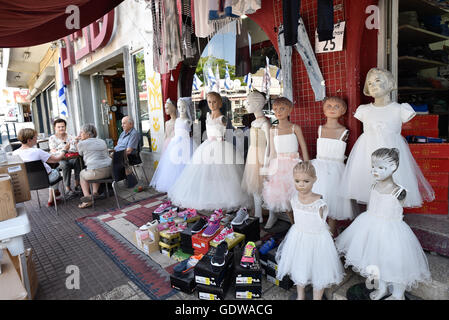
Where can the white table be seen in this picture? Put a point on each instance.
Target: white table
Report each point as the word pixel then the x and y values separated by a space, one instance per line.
pixel 11 237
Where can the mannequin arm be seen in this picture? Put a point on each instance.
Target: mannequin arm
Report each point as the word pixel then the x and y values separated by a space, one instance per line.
pixel 271 147
pixel 266 129
pixel 302 143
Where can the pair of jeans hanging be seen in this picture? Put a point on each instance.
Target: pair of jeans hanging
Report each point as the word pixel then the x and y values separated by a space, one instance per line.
pixel 307 54
pixel 325 14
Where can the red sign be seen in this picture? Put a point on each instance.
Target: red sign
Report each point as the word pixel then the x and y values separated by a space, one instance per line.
pixel 95 36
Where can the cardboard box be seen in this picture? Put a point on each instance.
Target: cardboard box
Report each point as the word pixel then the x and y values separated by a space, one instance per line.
pixel 430 150
pixel 168 238
pixel 11 286
pixel 433 165
pixel 149 246
pixel 7 202
pixel 422 121
pixel 201 244
pixel 247 276
pixel 141 235
pixel 437 179
pixel 433 133
pixel 248 291
pixel 208 275
pixel 186 239
pixel 17 171
pixel 250 228
pixel 434 207
pixel 238 239
pixel 31 268
pixel 184 282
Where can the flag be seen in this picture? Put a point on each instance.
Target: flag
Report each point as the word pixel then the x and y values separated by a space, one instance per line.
pixel 228 82
pixel 63 110
pixel 279 75
pixel 196 82
pixel 217 77
pixel 266 82
pixel 248 80
pixel 211 81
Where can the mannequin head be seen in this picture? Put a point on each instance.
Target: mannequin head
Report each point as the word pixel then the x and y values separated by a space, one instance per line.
pixel 255 102
pixel 185 108
pixel 384 163
pixel 334 107
pixel 304 175
pixel 170 108
pixel 379 83
pixel 282 108
pixel 214 101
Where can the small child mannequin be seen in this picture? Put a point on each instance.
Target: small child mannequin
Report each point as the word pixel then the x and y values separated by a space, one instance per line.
pixel 380 238
pixel 329 162
pixel 308 252
pixel 285 138
pixel 258 151
pixel 170 110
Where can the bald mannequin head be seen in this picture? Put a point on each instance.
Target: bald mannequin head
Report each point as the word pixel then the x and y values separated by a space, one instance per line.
pixel 127 123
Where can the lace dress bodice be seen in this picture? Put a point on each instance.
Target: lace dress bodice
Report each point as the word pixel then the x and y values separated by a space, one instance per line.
pixel 307 216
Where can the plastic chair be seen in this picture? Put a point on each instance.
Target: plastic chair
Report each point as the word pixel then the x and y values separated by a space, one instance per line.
pixel 118 174
pixel 38 179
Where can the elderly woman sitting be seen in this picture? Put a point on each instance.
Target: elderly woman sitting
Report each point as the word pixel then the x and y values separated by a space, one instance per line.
pixel 27 152
pixel 96 158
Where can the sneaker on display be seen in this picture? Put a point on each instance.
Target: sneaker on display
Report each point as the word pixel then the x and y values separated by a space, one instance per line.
pixel 267 246
pixel 241 216
pixel 187 264
pixel 227 232
pixel 199 225
pixel 163 207
pixel 188 214
pixel 219 213
pixel 213 226
pixel 169 216
pixel 219 258
pixel 248 255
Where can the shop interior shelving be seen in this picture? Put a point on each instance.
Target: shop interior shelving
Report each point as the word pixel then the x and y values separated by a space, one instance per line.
pixel 415 36
pixel 422 6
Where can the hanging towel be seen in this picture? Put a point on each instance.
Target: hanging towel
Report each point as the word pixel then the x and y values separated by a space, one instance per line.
pixel 290 10
pixel 325 15
pixel 202 27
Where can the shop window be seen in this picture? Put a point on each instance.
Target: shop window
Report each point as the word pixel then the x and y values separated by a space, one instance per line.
pixel 234 64
pixel 142 101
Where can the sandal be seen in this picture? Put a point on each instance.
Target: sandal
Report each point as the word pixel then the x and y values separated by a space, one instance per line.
pixel 85 205
pixel 89 198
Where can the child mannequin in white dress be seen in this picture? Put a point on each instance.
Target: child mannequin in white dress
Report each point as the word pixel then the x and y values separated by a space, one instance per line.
pixel 382 122
pixel 329 162
pixel 379 238
pixel 178 151
pixel 285 139
pixel 258 151
pixel 211 180
pixel 308 252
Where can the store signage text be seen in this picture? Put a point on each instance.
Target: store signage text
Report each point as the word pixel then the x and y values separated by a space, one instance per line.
pixel 94 36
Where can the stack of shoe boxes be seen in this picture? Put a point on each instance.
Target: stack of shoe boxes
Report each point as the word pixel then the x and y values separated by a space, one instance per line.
pixel 422 125
pixel 186 240
pixel 250 228
pixel 212 283
pixel 238 239
pixel 183 282
pixel 270 266
pixel 169 243
pixel 433 159
pixel 201 244
pixel 248 281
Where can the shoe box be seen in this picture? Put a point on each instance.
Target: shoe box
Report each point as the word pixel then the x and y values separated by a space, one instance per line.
pixel 184 282
pixel 250 228
pixel 186 239
pixel 269 266
pixel 430 150
pixel 238 239
pixel 248 281
pixel 168 250
pixel 201 244
pixel 208 275
pixel 169 238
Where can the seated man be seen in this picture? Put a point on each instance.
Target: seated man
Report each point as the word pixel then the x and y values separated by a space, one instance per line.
pixel 129 138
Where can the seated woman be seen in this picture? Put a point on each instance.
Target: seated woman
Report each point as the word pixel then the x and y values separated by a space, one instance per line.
pixel 27 152
pixel 57 143
pixel 96 158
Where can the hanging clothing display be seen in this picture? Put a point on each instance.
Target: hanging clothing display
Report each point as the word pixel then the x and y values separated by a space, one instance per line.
pixel 187 33
pixel 220 14
pixel 325 14
pixel 201 17
pixel 290 13
pixel 285 53
pixel 241 7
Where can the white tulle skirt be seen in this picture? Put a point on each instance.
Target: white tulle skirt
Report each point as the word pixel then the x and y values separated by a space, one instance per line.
pixel 211 180
pixel 357 179
pixel 172 162
pixel 279 185
pixel 309 258
pixel 328 184
pixel 386 244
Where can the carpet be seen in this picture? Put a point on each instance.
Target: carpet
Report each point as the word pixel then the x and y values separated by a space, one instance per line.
pixel 113 232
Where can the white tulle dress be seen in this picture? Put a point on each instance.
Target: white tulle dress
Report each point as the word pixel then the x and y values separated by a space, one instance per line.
pixel 211 180
pixel 382 129
pixel 175 157
pixel 329 166
pixel 279 185
pixel 379 238
pixel 308 254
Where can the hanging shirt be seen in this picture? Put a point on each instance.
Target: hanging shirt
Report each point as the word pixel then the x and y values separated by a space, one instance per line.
pixel 201 13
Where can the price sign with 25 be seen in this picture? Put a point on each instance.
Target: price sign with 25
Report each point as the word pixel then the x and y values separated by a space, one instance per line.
pixel 333 45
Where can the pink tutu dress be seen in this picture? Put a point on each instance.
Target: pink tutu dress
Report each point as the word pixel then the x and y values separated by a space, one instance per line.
pixel 278 187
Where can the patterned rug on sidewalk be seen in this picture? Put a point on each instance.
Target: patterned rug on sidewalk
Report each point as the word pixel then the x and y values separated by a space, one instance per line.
pixel 113 232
